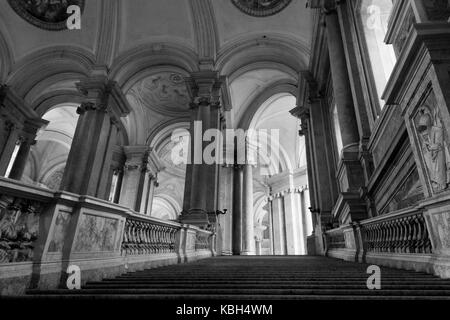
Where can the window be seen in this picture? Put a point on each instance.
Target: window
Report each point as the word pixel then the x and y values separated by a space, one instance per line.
pixel 337 131
pixel 374 20
pixel 13 158
pixel 114 186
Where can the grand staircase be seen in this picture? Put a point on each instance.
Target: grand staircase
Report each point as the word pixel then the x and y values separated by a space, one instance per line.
pixel 262 278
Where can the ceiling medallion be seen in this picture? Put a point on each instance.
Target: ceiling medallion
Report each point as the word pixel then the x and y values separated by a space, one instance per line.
pixel 164 92
pixel 45 14
pixel 261 8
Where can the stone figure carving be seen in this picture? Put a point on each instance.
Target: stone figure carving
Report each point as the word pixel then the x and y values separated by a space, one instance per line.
pixel 19 227
pixel 434 147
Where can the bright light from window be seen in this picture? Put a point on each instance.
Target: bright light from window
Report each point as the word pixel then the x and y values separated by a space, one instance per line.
pixel 112 193
pixel 375 17
pixel 337 131
pixel 13 159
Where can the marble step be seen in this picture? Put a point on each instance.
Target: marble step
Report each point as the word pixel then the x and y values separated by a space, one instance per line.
pixel 246 291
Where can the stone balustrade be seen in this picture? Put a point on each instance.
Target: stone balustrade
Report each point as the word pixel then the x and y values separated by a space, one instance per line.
pixel 400 239
pixel 43 232
pixel 144 236
pixel 397 234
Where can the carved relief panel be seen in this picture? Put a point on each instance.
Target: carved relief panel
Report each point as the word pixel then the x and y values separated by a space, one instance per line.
pixel 433 142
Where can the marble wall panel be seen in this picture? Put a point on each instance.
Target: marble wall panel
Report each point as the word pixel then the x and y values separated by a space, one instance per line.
pixel 59 231
pixel 96 234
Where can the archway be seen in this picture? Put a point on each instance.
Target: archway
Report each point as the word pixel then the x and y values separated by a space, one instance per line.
pixel 48 156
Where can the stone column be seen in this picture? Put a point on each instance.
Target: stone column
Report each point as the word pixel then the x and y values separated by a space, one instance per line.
pixel 350 173
pixel 248 233
pixel 135 172
pixel 153 167
pixel 200 171
pixel 341 83
pixel 138 185
pixel 206 89
pixel 269 212
pixel 307 215
pixel 238 179
pixel 27 139
pixel 153 184
pixel 279 243
pixel 88 165
pixel 291 217
pixel 226 202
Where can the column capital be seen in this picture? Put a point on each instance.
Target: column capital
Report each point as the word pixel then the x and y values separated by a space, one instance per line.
pixel 31 128
pixel 209 88
pixel 301 112
pixel 14 108
pixel 144 158
pixel 103 94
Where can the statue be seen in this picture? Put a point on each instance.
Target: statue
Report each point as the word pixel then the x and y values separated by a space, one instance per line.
pixel 434 147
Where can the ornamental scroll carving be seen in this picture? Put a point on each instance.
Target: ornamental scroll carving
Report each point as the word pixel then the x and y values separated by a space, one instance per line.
pixel 434 143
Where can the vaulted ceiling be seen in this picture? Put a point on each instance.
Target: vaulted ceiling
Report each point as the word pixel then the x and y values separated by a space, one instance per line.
pixel 149 46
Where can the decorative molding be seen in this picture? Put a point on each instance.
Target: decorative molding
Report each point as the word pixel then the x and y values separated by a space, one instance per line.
pixel 108 34
pixel 261 8
pixel 103 94
pixel 205 32
pixel 207 88
pixel 267 47
pixel 48 15
pixel 163 92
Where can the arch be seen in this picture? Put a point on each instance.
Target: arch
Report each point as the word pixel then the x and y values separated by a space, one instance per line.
pixel 167 205
pixel 286 86
pixel 269 48
pixel 260 65
pixel 163 131
pixel 278 162
pixel 50 65
pixel 6 56
pixel 143 57
pixel 259 203
pixel 51 100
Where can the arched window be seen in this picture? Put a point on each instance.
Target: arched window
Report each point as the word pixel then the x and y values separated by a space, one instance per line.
pixel 337 131
pixel 374 18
